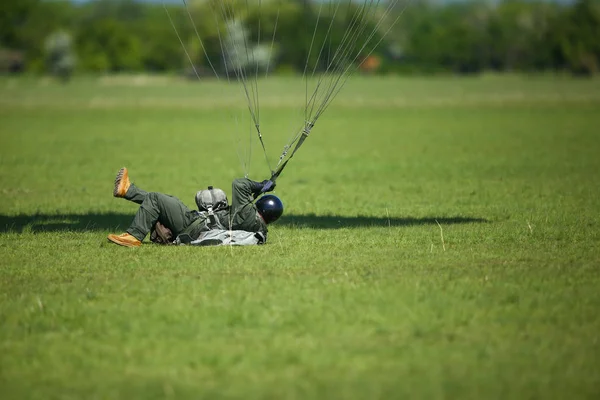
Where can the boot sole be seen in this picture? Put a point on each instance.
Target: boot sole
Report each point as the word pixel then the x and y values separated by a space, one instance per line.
pixel 119 184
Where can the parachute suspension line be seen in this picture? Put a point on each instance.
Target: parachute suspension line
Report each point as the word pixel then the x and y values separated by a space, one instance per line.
pixel 337 71
pixel 256 84
pixel 327 63
pixel 339 56
pixel 309 124
pixel 242 76
pixel 377 26
pixel 253 80
pixel 238 69
pixel 308 57
pixel 187 9
pixel 329 47
pixel 391 5
pixel 342 68
pixel 338 65
pixel 302 137
pixel 240 73
pixel 272 43
pixel 295 135
pixel 326 36
pixel 246 160
pixel 244 164
pixel 254 89
pixel 241 159
pixel 375 30
pixel 220 42
pixel 225 51
pixel 181 41
pixel 328 74
pixel 306 114
pixel 228 15
pixel 256 64
pixel 356 30
pixel 246 155
pixel 299 113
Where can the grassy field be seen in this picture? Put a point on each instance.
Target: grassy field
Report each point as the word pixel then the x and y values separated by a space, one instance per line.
pixel 441 240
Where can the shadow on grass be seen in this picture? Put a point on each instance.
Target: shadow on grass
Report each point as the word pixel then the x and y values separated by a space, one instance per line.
pixel 338 221
pixel 118 221
pixel 64 222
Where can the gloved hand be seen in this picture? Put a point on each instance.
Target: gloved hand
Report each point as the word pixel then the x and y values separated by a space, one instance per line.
pixel 267 186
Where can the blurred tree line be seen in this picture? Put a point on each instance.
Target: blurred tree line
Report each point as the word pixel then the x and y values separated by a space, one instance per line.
pixel 460 37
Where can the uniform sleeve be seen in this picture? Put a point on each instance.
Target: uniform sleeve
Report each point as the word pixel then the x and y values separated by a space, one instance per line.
pixel 244 191
pixel 244 215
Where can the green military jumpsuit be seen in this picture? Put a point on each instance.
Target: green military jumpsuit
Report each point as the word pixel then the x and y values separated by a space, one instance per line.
pixel 172 213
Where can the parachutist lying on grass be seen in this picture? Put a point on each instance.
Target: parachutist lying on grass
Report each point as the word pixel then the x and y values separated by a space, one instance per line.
pixel 216 222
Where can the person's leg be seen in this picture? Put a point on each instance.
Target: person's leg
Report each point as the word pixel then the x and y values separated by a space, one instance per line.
pixel 135 194
pixel 127 190
pixel 169 210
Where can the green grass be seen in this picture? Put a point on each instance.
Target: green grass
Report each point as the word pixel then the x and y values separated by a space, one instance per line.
pixel 440 240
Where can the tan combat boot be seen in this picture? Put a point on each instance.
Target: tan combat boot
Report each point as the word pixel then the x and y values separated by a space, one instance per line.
pixel 124 239
pixel 121 183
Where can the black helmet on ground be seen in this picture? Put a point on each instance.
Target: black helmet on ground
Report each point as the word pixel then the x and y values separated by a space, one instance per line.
pixel 269 207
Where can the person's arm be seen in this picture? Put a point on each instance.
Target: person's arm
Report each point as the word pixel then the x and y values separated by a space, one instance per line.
pixel 243 212
pixel 244 191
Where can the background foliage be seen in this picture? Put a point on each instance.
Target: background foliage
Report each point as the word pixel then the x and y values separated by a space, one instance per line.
pixel 461 37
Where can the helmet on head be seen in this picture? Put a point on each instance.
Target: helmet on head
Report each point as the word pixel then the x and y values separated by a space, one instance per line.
pixel 269 207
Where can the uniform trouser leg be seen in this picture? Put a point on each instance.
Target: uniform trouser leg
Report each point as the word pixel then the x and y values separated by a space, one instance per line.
pixel 135 194
pixel 169 210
